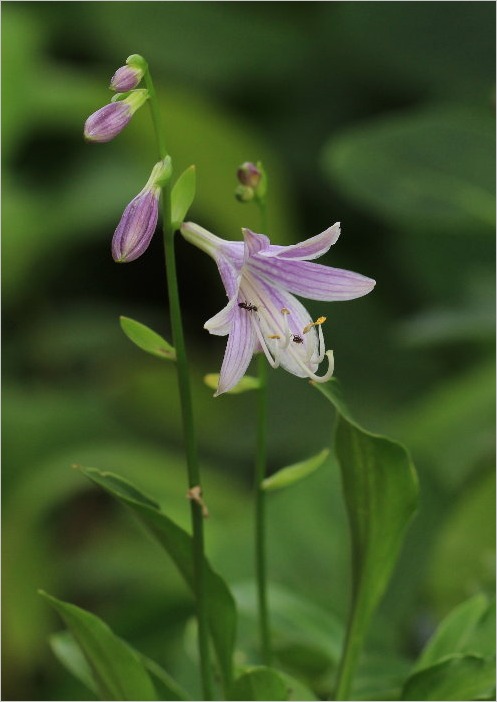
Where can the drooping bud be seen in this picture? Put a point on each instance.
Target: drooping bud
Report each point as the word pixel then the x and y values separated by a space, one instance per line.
pixel 139 220
pixel 244 193
pixel 248 174
pixel 106 123
pixel 126 78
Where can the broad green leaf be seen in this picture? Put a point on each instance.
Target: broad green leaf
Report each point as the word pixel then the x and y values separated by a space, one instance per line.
pixel 68 652
pixel 431 166
pixel 293 474
pixel 178 544
pixel 147 339
pixel 458 677
pixel 248 382
pixel 117 670
pixel 262 683
pixel 182 196
pixel 381 494
pixel 469 628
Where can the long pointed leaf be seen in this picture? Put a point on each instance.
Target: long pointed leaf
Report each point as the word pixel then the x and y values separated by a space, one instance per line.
pixel 117 670
pixel 381 494
pixel 178 544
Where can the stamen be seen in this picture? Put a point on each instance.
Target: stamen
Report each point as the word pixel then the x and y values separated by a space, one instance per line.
pixel 317 323
pixel 313 376
pixel 274 363
pixel 288 334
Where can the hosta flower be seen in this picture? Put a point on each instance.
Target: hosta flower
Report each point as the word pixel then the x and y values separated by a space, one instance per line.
pixel 106 123
pixel 139 220
pixel 262 313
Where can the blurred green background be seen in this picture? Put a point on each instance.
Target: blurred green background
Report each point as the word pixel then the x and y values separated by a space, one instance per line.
pixel 376 114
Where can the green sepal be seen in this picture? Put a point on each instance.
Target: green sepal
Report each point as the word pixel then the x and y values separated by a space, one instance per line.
pixel 146 339
pixel 177 543
pixel 117 670
pixel 68 652
pixel 137 61
pixel 248 382
pixel 296 472
pixel 182 196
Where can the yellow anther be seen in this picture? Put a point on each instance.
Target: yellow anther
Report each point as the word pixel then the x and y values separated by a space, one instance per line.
pixel 285 311
pixel 274 336
pixel 317 323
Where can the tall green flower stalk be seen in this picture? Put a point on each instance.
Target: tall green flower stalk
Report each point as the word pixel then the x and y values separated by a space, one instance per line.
pixel 185 394
pixel 260 495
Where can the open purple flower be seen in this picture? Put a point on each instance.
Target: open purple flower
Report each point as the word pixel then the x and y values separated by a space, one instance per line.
pixel 262 313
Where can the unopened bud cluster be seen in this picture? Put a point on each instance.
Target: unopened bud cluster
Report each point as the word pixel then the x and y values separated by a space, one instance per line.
pixel 252 182
pixel 139 220
pixel 107 122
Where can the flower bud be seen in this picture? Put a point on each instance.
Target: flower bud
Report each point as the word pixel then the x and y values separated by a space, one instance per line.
pixel 106 123
pixel 244 193
pixel 249 174
pixel 139 220
pixel 126 78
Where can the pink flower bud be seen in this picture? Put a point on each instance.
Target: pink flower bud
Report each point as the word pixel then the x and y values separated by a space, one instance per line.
pixel 106 123
pixel 248 174
pixel 126 78
pixel 139 220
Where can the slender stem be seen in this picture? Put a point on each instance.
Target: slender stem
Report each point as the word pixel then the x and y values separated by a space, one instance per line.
pixel 350 653
pixel 186 411
pixel 260 495
pixel 260 513
pixel 155 113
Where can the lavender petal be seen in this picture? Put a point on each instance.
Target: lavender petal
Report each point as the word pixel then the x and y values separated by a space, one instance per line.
pixel 239 351
pixel 310 248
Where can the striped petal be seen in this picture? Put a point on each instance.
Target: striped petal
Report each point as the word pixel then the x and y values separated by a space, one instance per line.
pixel 312 280
pixel 310 248
pixel 239 351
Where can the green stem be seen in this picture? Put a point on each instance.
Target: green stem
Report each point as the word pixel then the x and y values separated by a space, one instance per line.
pixel 186 410
pixel 260 513
pixel 350 653
pixel 260 494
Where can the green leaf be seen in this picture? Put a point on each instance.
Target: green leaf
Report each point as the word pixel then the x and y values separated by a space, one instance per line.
pixel 381 495
pixel 147 339
pixel 182 196
pixel 117 670
pixel 469 628
pixel 431 166
pixel 262 683
pixel 68 652
pixel 293 474
pixel 178 544
pixel 248 382
pixel 458 677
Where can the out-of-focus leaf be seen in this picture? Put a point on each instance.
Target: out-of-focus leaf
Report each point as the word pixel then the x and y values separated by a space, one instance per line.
pixel 294 621
pixel 453 428
pixel 458 677
pixel 248 382
pixel 293 474
pixel 117 670
pixel 182 196
pixel 465 545
pixel 67 650
pixel 146 339
pixel 469 628
pixel 262 683
pixel 381 495
pixel 433 166
pixel 178 544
